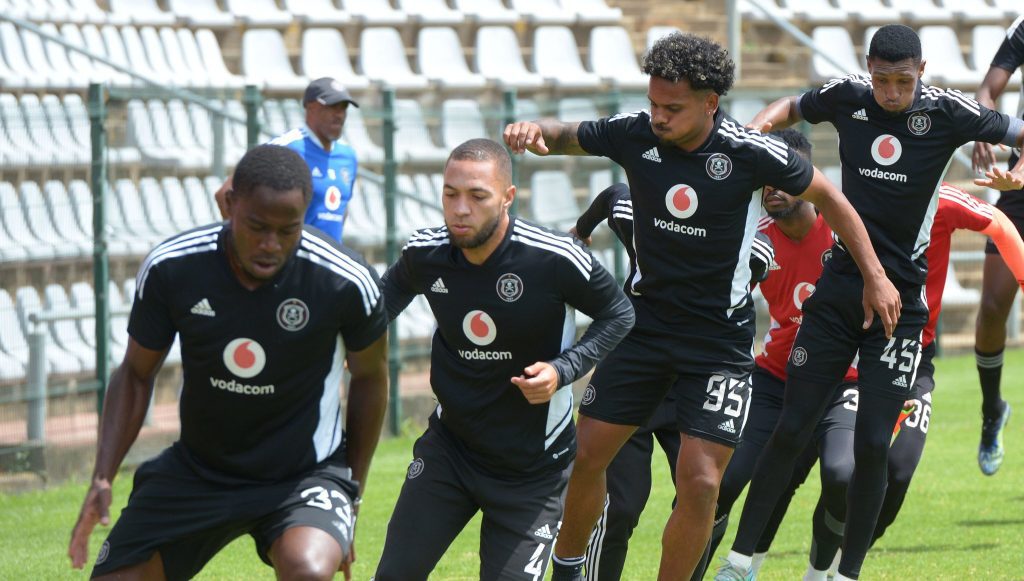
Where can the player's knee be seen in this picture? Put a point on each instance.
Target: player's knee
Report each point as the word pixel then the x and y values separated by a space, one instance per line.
pixel 699 489
pixel 871 450
pixel 836 473
pixel 305 567
pixel 791 434
pixel 624 514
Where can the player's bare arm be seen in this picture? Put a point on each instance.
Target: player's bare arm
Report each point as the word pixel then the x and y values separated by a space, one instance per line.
pixel 1000 179
pixel 1006 238
pixel 880 296
pixel 992 86
pixel 543 137
pixel 367 404
pixel 124 409
pixel 778 115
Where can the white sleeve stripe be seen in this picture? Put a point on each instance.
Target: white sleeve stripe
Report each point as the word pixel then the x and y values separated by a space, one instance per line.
pixel 952 192
pixel 429 234
pixel 183 238
pixel 983 212
pixel 159 251
pixel 570 250
pixel 762 245
pixel 620 116
pixel 327 251
pixel 351 271
pixel 782 158
pixel 566 241
pixel 425 243
pixel 211 247
pixel 770 143
pixel 623 216
pixel 287 137
pixel 319 260
pixel 935 93
pixel 557 250
pixel 1013 27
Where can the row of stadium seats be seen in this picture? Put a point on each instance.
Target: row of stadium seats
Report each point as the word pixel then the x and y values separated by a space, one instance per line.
pixel 945 66
pixel 270 13
pixel 915 12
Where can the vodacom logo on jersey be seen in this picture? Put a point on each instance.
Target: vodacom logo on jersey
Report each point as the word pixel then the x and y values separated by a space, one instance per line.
pixel 480 329
pixel 885 150
pixel 801 292
pixel 244 358
pixel 681 202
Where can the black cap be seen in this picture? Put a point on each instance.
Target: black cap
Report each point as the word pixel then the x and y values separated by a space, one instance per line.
pixel 327 91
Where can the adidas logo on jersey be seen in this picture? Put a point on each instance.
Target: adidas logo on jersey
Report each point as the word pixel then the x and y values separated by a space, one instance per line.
pixel 861 115
pixel 652 155
pixel 900 381
pixel 728 426
pixel 544 532
pixel 203 308
pixel 317 173
pixel 438 286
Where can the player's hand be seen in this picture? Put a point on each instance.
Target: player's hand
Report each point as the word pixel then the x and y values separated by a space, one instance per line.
pixel 346 564
pixel 523 136
pixel 1001 179
pixel 758 123
pixel 586 241
pixel 880 296
pixel 95 509
pixel 982 157
pixel 538 382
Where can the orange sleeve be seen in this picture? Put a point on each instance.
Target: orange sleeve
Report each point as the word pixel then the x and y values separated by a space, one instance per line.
pixel 1006 238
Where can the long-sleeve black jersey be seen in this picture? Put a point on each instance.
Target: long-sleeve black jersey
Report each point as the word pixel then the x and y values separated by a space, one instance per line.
pixel 1010 55
pixel 893 164
pixel 497 318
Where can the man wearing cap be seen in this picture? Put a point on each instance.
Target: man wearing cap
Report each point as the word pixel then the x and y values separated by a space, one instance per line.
pixel 331 162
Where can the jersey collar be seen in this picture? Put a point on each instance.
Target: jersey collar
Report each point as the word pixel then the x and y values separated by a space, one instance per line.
pixel 316 140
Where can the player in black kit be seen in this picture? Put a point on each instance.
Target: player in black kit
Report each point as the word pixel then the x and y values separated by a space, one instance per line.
pixel 503 359
pixel 695 176
pixel 999 286
pixel 896 140
pixel 268 313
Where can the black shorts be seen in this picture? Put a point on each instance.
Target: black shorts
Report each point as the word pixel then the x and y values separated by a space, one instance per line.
pixel 635 377
pixel 1010 203
pixel 831 336
pixel 443 490
pixel 766 406
pixel 189 519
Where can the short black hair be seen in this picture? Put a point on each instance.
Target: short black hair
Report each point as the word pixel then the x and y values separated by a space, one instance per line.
pixel 275 167
pixel 895 42
pixel 481 149
pixel 701 61
pixel 795 140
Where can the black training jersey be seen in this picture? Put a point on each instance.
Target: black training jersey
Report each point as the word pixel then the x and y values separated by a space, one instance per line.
pixel 1010 55
pixel 497 318
pixel 695 216
pixel 262 368
pixel 893 164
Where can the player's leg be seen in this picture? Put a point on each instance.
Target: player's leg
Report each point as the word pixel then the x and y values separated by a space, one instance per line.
pixel 623 393
pixel 150 570
pixel 432 508
pixel 305 552
pixel 829 518
pixel 520 522
pixel 998 290
pixel 803 467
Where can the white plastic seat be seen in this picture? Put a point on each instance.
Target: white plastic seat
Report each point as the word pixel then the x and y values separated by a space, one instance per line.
pixel 1010 8
pixel 83 297
pixel 816 11
pixel 942 52
pixel 324 54
pixel 156 206
pixel 35 54
pixel 60 361
pixel 12 249
pixel 365 222
pixel 273 118
pixel 572 109
pixel 542 12
pixel 836 40
pixel 461 120
pixel 265 62
pixel 869 11
pixel 552 200
pixel 39 130
pixel 86 11
pixel 985 41
pixel 198 201
pixel 413 143
pixel 484 12
pixel 14 55
pixel 213 59
pixel 156 53
pixel 374 12
pixel 973 11
pixel 258 13
pixel 119 323
pixel 317 12
pixel 65 218
pixel 382 59
pixel 81 65
pixel 431 12
pixel 955 294
pixel 656 32
pixel 611 57
pixel 440 58
pixel 556 57
pixel 19 134
pixel 57 55
pixel 178 68
pixel 592 11
pixel 500 59
pixel 136 54
pixel 95 43
pixel 201 13
pixel 357 135
pixel 12 340
pixel 141 12
pixel 924 12
pixel 167 140
pixel 744 109
pixel 177 203
pixel 40 222
pixel 65 332
pixel 598 182
pixel 134 214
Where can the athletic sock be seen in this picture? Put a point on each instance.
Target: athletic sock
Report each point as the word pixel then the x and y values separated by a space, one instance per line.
pixel 813 574
pixel 841 577
pixel 742 562
pixel 567 568
pixel 756 561
pixel 828 537
pixel 990 371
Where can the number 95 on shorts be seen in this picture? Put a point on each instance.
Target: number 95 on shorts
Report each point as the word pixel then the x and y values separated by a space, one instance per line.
pixel 713 407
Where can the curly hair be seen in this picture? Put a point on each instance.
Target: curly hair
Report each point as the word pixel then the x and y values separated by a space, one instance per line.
pixel 701 61
pixel 275 167
pixel 894 43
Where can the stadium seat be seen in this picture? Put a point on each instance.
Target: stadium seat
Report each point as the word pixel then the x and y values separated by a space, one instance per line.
pixel 382 59
pixel 985 41
pixel 413 143
pixel 265 62
pixel 118 233
pixel 65 332
pixel 835 40
pixel 942 52
pixel 272 118
pixel 366 215
pixel 40 222
pixel 213 59
pixel 374 13
pixel 60 361
pixel 590 12
pixel 132 54
pixel 541 12
pixel 258 13
pixel 743 110
pixel 95 44
pixel 1010 8
pixel 35 55
pixel 178 203
pixel 317 12
pixel 572 109
pixel 500 59
pixel 82 297
pixel 920 12
pixel 19 139
pixel 485 12
pixel 431 12
pixel 440 58
pixel 38 127
pixel 12 339
pixel 356 134
pixel 134 214
pixel 156 206
pixel 869 11
pixel 65 218
pixel 11 248
pixel 14 54
pixel 57 55
pixel 461 120
pixel 425 188
pixel 611 57
pixel 141 12
pixel 174 58
pixel 973 11
pixel 816 12
pixel 82 66
pixel 955 294
pixel 201 14
pixel 750 12
pixel 78 121
pixel 174 135
pixel 202 205
pixel 295 114
pixel 324 54
pixel 119 322
pixel 598 182
pixel 556 57
pixel 552 200
pixel 86 11
pixel 156 52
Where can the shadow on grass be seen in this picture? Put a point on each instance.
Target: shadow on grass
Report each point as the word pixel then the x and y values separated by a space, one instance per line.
pixel 992 522
pixel 937 548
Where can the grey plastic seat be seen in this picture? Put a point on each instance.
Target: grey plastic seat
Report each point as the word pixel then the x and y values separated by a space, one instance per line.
pixel 461 120
pixel 499 58
pixel 611 57
pixel 440 58
pixel 324 54
pixel 59 361
pixel 556 57
pixel 65 332
pixel 382 59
